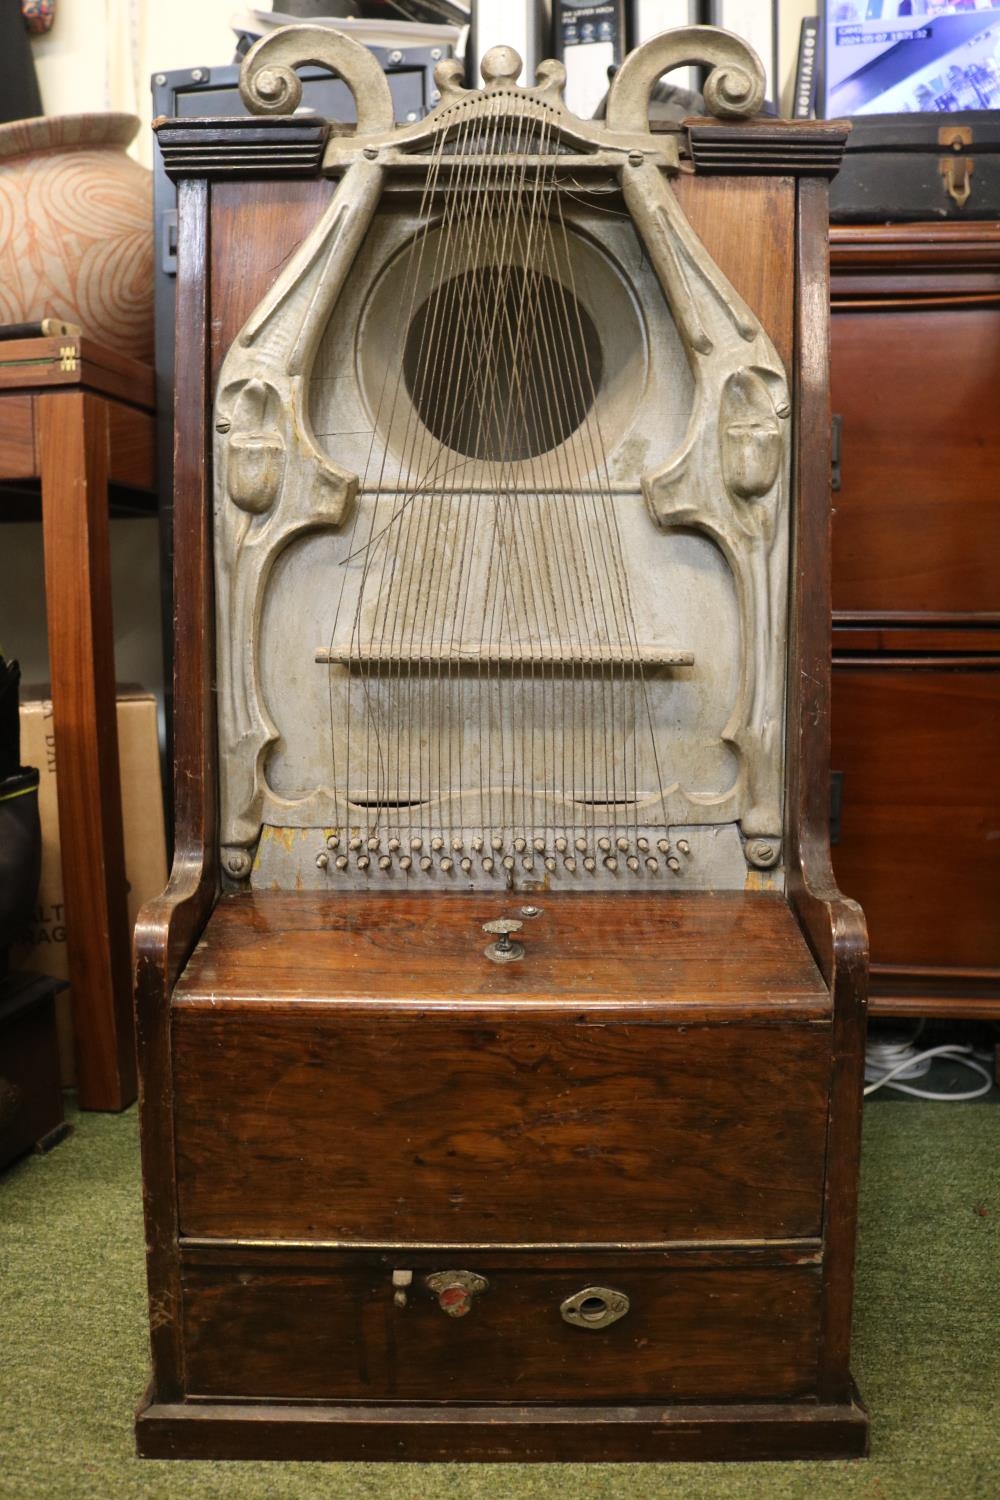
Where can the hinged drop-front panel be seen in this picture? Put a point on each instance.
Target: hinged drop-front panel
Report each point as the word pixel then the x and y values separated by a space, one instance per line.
pixel 355 1069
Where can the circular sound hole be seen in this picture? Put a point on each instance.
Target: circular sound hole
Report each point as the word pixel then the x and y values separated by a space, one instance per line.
pixel 502 363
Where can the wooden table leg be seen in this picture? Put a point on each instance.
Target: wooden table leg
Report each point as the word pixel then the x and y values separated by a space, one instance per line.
pixel 73 463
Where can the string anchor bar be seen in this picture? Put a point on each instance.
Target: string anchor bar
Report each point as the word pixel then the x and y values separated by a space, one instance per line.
pixel 445 654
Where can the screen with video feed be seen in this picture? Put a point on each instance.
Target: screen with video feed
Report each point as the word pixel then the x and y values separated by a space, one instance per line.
pixel 902 56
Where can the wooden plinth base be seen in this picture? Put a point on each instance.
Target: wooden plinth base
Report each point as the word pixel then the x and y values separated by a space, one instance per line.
pixel 502 1434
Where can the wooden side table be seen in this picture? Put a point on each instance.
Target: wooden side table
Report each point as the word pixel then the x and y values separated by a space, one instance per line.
pixel 78 417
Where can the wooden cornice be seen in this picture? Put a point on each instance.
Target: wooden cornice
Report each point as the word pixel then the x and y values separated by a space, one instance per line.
pixel 767 147
pixel 242 146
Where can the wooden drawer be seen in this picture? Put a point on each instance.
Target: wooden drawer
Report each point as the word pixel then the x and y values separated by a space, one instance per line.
pixel 916 520
pixel 375 1124
pixel 302 1325
pixel 920 824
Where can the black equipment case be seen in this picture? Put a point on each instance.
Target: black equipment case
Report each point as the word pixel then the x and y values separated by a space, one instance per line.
pixel 919 167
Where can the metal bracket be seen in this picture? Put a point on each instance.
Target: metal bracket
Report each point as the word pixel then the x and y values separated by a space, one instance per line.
pixel 956 169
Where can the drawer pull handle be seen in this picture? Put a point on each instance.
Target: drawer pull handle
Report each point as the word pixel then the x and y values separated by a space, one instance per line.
pixel 455 1290
pixel 595 1307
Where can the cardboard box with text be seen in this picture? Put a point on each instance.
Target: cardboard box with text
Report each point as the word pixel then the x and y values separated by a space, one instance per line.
pixel 43 947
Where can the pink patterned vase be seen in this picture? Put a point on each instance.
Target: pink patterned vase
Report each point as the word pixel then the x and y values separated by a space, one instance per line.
pixel 76 228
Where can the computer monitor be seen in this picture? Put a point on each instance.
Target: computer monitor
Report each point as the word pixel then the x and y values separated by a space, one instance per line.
pixel 910 56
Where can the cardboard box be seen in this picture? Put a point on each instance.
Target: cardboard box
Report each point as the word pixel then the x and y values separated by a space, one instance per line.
pixel 44 946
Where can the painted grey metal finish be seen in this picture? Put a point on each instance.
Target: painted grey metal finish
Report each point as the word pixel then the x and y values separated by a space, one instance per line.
pixel 356 714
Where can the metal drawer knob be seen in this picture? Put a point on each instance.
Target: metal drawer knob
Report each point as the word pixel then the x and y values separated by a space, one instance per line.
pixel 503 951
pixel 595 1307
pixel 455 1290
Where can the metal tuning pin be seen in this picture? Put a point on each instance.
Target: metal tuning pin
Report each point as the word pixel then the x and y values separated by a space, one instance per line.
pixel 503 951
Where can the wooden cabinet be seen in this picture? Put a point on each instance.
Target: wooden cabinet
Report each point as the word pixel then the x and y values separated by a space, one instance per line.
pixel 915 372
pixel 591 1192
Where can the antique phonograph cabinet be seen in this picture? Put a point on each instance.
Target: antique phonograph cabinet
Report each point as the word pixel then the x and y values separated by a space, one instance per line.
pixel 501 1027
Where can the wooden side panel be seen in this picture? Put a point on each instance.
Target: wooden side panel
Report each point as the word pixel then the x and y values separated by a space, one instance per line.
pixel 254 234
pixel 360 1124
pixel 326 1334
pixel 917 524
pixel 747 224
pixel 920 825
pixel 167 928
pixel 835 925
pixel 17 438
pixel 133 446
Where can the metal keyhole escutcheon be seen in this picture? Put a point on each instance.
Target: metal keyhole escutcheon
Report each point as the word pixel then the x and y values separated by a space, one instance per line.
pixel 595 1307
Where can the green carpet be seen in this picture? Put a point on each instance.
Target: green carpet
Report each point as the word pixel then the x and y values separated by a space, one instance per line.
pixel 927 1348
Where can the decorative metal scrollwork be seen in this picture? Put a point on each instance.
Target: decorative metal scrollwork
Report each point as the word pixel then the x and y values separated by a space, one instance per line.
pixel 734 88
pixel 269 84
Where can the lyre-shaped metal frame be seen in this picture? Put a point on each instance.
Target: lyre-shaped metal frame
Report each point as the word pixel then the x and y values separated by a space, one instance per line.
pixel 729 479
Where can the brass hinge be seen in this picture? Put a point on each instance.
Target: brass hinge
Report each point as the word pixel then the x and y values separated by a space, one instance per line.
pixel 68 358
pixel 956 169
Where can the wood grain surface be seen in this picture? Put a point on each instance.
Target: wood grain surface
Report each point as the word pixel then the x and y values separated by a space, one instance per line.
pixel 747 225
pixel 75 360
pixel 363 1123
pixel 331 1334
pixel 705 952
pixel 917 748
pixel 73 462
pixel 17 438
pixel 916 526
pixel 835 923
pixel 168 926
pixel 323 1082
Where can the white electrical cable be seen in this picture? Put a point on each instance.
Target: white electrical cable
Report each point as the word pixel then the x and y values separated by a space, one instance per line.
pixel 910 1065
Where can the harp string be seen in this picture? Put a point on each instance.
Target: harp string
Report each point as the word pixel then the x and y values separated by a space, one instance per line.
pixel 620 572
pixel 529 555
pixel 416 262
